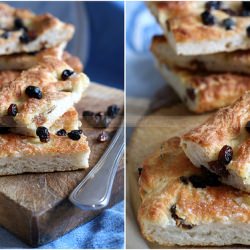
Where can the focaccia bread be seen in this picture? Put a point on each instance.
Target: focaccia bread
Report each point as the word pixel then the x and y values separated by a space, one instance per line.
pixel 22 154
pixel 40 95
pixel 25 61
pixel 188 206
pixel 195 28
pixel 203 92
pixel 7 76
pixel 234 62
pixel 222 144
pixel 23 31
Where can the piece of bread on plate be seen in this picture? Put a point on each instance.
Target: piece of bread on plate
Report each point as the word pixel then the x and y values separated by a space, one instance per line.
pixel 55 88
pixel 222 144
pixel 234 62
pixel 187 206
pixel 194 28
pixel 23 31
pixel 23 154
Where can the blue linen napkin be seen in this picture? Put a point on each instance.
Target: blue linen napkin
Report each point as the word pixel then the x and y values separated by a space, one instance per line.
pixel 105 231
pixel 99 42
pixel 142 77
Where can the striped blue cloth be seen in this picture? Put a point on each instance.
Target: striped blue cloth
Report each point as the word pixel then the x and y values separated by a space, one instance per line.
pixel 99 42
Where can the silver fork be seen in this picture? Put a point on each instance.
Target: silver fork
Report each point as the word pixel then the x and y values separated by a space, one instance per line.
pixel 94 190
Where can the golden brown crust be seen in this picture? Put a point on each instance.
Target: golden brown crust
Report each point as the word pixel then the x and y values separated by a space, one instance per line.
pixel 182 23
pixel 40 27
pixel 216 90
pixel 73 61
pixel 8 76
pixel 234 62
pixel 210 90
pixel 47 76
pixel 24 61
pixel 13 145
pixel 161 188
pixel 226 124
pixel 226 127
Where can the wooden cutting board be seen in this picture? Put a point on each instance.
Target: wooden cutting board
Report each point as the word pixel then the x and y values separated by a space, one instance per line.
pixel 35 207
pixel 149 133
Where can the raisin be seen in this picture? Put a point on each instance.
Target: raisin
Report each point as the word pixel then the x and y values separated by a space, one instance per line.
pixel 61 132
pixel 33 92
pixel 75 135
pixel 113 110
pixel 228 23
pixel 66 74
pixel 225 155
pixel 179 221
pixel 43 134
pixel 103 137
pixel 12 110
pixel 207 18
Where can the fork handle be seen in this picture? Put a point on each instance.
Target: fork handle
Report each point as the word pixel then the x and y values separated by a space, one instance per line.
pixel 94 191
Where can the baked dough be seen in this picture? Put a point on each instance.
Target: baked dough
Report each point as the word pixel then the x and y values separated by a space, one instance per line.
pixel 187 206
pixel 187 35
pixel 234 62
pixel 25 61
pixel 58 96
pixel 202 91
pixel 227 127
pixel 21 154
pixel 42 31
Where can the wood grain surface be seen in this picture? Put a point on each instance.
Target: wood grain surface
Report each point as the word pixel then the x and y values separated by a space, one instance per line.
pixel 35 207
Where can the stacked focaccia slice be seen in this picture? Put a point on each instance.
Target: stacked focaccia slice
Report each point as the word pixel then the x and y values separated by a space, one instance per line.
pixel 188 206
pixel 39 85
pixel 183 199
pixel 204 54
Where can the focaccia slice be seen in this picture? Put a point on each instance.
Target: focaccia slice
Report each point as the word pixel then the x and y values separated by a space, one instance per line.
pixel 22 154
pixel 25 61
pixel 23 31
pixel 7 76
pixel 58 95
pixel 188 34
pixel 234 62
pixel 188 206
pixel 222 144
pixel 203 92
